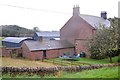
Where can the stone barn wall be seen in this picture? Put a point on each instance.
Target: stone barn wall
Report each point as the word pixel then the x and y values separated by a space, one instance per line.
pixel 7 52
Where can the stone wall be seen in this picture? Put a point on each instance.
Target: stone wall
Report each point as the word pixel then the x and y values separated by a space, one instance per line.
pixel 51 70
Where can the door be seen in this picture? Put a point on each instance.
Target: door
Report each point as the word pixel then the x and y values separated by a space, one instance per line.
pixel 44 54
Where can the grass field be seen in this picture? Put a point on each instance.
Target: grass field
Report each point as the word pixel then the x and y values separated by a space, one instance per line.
pixel 81 61
pixel 96 73
pixel 6 61
pixel 94 61
pixel 1 38
pixel 65 62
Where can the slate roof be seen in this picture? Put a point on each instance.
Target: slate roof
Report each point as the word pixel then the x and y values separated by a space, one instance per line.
pixel 47 45
pixel 95 21
pixel 15 39
pixel 54 34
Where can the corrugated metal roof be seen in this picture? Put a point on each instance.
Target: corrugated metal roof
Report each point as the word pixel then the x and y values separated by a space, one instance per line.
pixel 15 39
pixel 95 21
pixel 46 45
pixel 55 34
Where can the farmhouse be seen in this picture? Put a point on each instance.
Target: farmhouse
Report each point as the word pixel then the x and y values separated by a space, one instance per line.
pixel 79 28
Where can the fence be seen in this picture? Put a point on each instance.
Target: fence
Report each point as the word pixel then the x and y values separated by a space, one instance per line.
pixel 65 63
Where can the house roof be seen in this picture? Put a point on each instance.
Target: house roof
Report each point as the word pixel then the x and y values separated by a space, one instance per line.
pixel 15 39
pixel 95 21
pixel 47 45
pixel 55 34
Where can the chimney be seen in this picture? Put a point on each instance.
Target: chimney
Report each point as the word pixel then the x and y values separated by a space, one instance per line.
pixel 76 10
pixel 104 14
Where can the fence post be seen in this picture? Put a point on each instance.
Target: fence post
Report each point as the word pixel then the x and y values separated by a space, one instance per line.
pixel 53 61
pixel 61 62
pixel 71 63
pixel 42 59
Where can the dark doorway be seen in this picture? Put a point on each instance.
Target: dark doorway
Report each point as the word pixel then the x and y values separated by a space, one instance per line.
pixel 44 54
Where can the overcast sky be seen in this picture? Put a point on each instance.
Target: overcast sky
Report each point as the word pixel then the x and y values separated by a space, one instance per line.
pixel 50 14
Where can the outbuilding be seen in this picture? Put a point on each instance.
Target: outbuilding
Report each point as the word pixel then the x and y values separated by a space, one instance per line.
pixel 46 35
pixel 12 46
pixel 14 42
pixel 46 49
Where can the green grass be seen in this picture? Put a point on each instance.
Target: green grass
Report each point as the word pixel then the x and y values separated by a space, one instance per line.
pixel 20 62
pixel 94 61
pixel 96 73
pixel 81 60
pixel 64 62
pixel 1 38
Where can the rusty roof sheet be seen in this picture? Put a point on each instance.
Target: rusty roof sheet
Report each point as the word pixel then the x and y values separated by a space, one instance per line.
pixel 46 45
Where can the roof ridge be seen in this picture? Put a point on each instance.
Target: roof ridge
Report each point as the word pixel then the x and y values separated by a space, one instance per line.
pixel 90 15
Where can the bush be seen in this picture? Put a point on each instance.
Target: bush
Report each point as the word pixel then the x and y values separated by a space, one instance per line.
pixel 115 52
pixel 97 56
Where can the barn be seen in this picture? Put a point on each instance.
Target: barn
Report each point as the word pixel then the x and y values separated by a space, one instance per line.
pixel 46 35
pixel 36 50
pixel 80 27
pixel 12 46
pixel 14 42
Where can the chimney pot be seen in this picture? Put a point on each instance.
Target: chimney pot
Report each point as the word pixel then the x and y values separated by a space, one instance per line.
pixel 104 14
pixel 76 10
